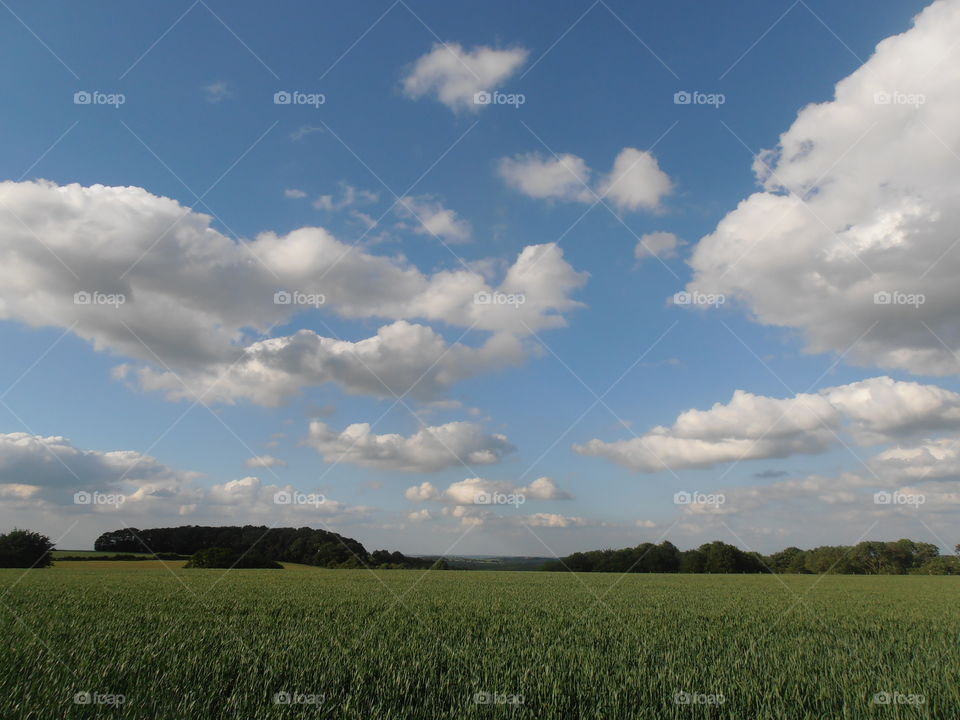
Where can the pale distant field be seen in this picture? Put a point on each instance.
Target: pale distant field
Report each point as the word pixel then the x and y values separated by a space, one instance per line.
pixel 198 644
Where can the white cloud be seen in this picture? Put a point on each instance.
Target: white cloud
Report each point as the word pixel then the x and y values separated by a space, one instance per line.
pixel 454 75
pixel 349 196
pixel 264 461
pixel 635 183
pixel 432 218
pixel 294 193
pixel 419 516
pixel 878 179
pixel 301 132
pixel 39 477
pixel 872 411
pixel 467 491
pixel 428 450
pixel 52 469
pixel 565 177
pixel 662 245
pixel 217 91
pixel 195 301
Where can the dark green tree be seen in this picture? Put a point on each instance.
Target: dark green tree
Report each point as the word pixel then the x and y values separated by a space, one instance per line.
pixel 25 549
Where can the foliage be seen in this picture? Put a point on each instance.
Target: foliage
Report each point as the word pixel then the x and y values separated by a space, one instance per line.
pixel 305 545
pixel 229 559
pixel 866 558
pixel 25 549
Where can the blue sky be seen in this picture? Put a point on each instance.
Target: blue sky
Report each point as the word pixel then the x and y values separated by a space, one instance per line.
pixel 595 166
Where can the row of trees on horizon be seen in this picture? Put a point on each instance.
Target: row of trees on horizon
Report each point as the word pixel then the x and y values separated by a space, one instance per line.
pixel 900 557
pixel 221 546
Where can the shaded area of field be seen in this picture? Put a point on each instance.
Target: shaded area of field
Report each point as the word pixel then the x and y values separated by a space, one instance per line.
pixel 408 644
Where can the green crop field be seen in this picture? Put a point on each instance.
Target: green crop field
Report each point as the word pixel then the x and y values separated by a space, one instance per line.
pixel 309 643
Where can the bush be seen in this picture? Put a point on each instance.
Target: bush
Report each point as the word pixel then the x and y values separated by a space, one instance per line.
pixel 25 549
pixel 227 558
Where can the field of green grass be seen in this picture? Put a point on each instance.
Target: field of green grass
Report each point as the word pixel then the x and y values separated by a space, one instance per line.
pixel 202 644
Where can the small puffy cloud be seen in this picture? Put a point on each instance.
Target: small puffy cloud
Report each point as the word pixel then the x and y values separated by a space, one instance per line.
pixel 348 197
pixel 428 450
pixel 473 491
pixel 294 193
pixel 565 177
pixel 217 91
pixel 264 461
pixel 553 520
pixel 872 411
pixel 636 181
pixel 419 516
pixel 857 214
pixel 454 76
pixel 544 488
pixel 301 132
pixel 432 218
pixel 662 245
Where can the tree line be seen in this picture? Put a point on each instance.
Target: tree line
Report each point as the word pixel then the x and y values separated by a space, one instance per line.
pixel 304 545
pixel 900 557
